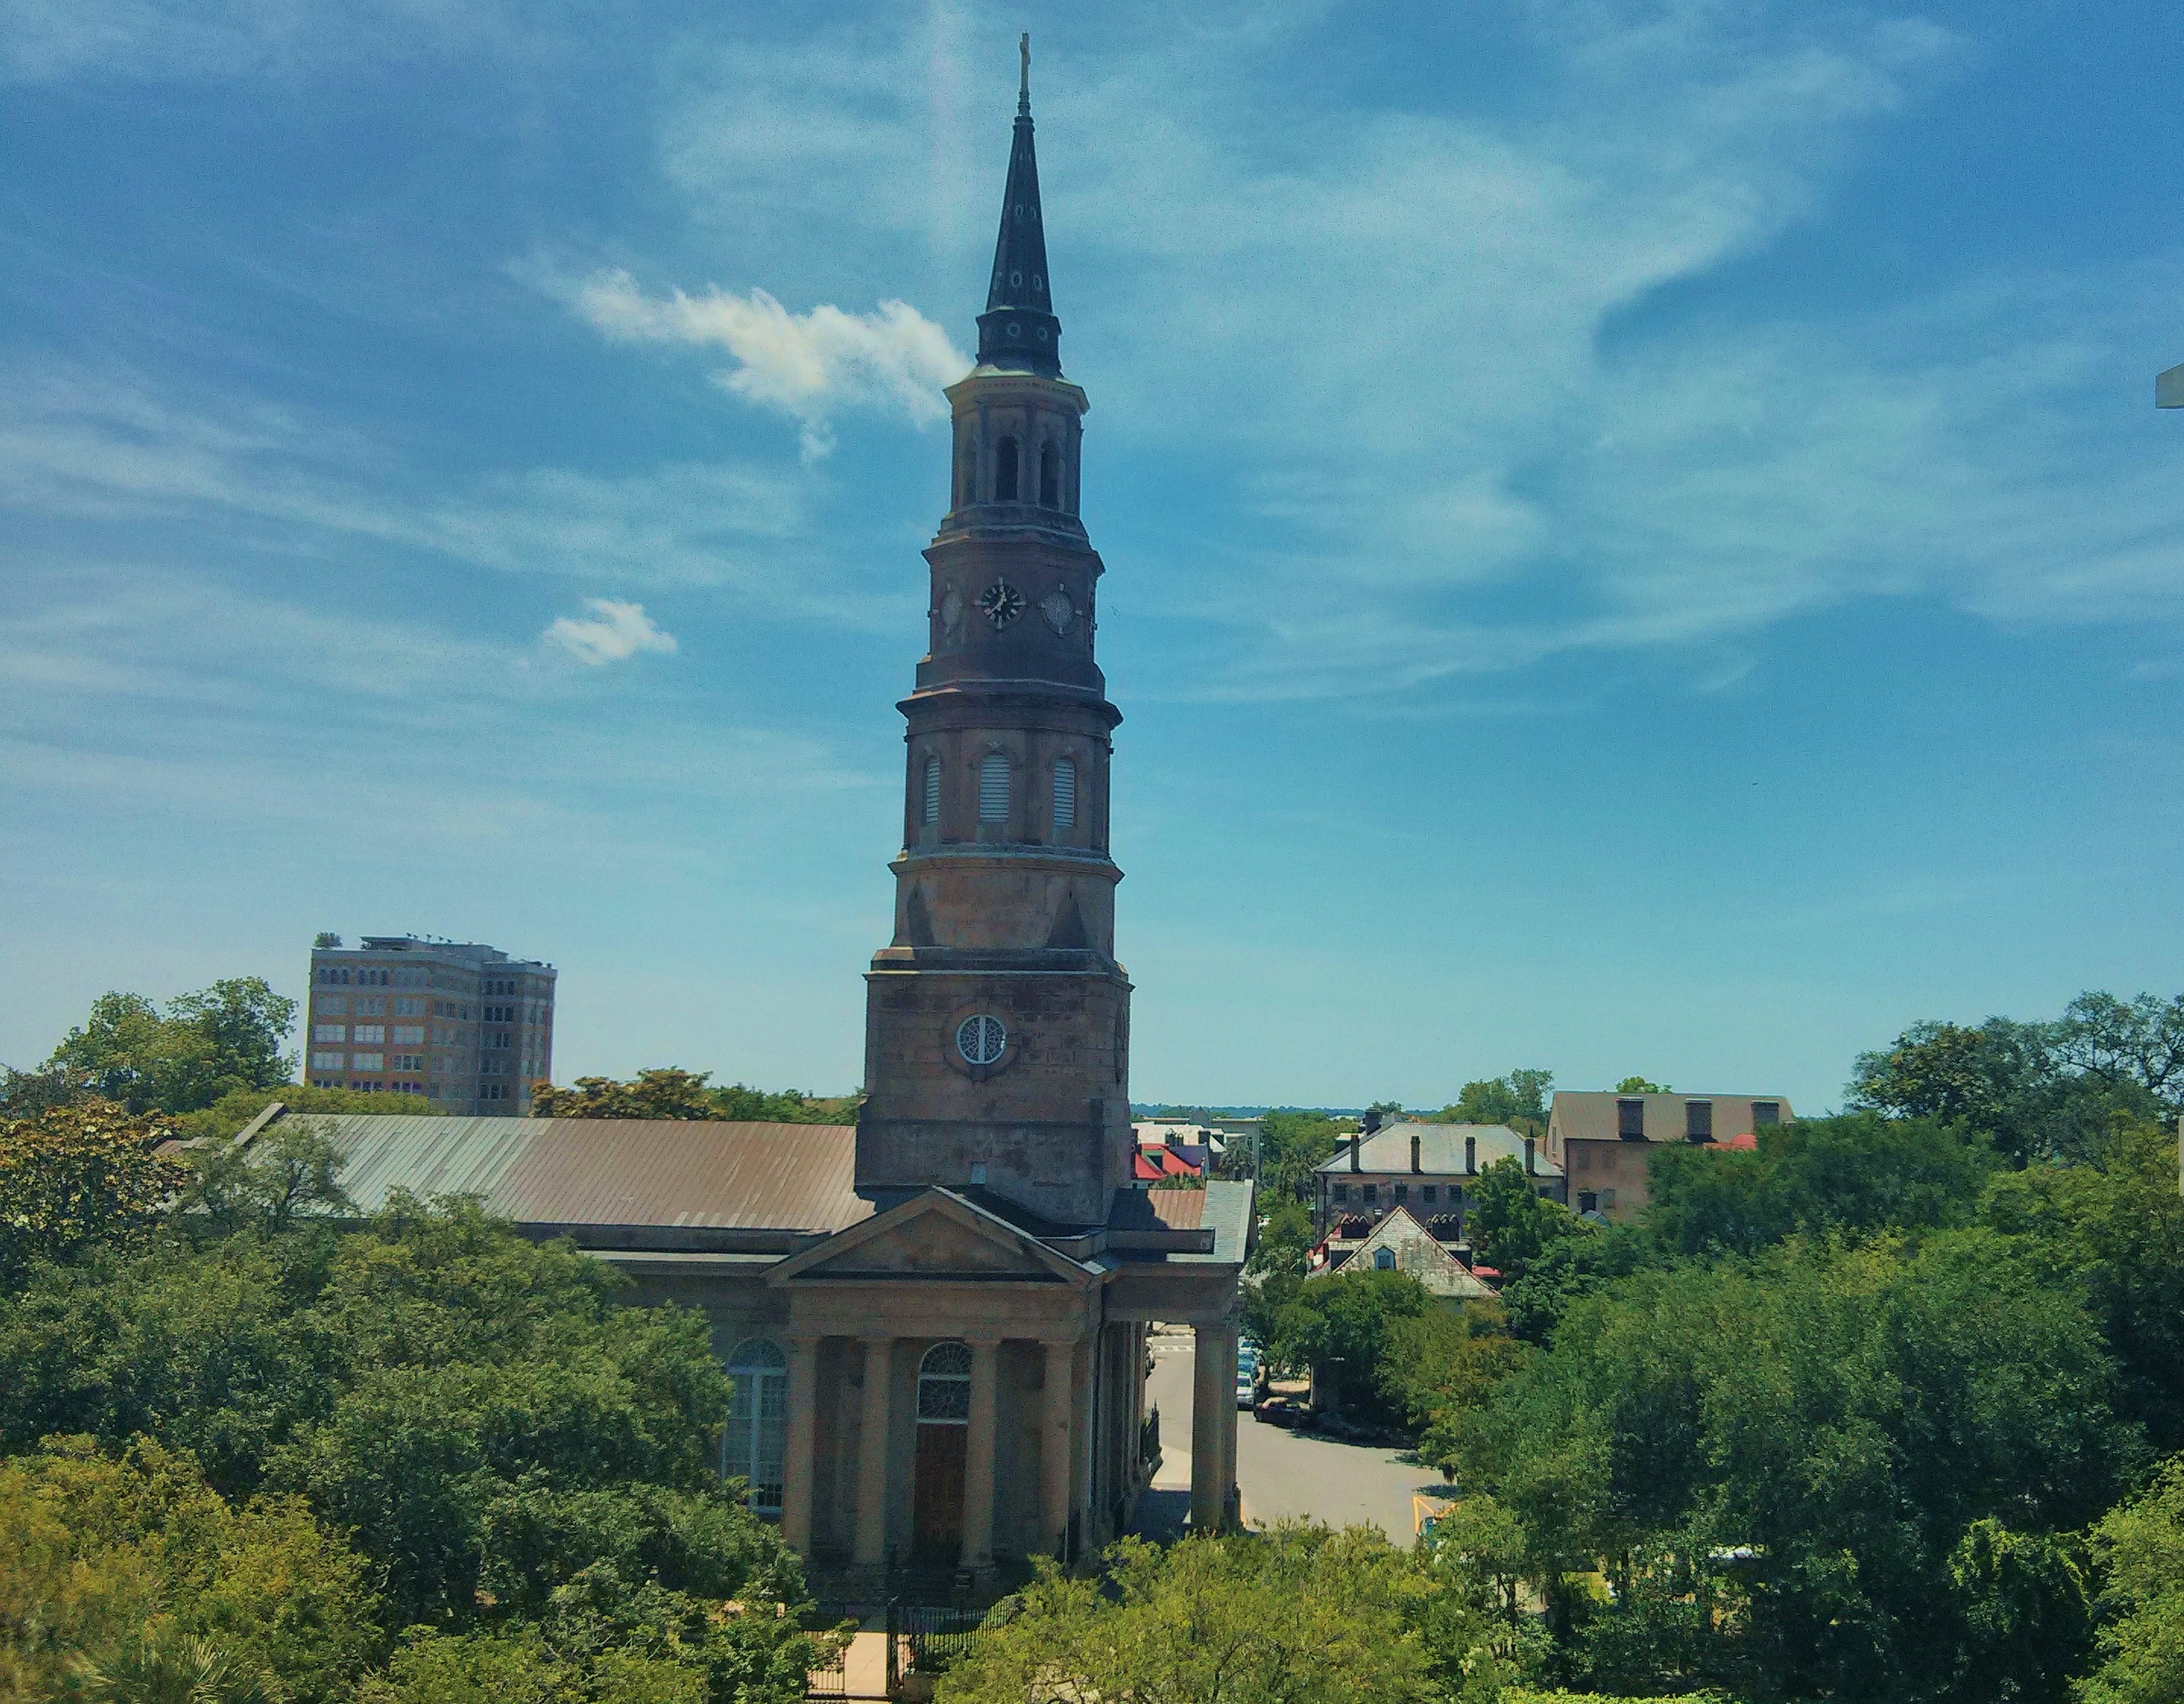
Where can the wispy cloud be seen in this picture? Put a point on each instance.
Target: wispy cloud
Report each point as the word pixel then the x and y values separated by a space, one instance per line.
pixel 612 633
pixel 809 366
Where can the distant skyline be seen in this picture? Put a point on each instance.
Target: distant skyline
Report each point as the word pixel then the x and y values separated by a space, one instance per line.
pixel 1638 538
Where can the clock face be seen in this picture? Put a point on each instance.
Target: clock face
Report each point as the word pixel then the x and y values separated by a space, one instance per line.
pixel 1001 603
pixel 980 1039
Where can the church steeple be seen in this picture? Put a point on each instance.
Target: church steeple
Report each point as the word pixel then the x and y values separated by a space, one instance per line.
pixel 1018 331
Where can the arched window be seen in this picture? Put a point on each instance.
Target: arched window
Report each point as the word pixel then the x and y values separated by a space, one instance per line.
pixel 993 788
pixel 752 1447
pixel 930 811
pixel 1384 1260
pixel 1065 793
pixel 1005 470
pixel 943 1385
pixel 1050 477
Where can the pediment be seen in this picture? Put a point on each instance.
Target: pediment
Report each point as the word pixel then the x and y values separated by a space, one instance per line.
pixel 935 1237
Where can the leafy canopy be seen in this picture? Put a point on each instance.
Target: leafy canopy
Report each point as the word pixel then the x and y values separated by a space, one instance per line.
pixel 202 1046
pixel 667 1092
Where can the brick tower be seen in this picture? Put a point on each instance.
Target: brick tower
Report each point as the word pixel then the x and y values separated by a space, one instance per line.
pixel 997 1021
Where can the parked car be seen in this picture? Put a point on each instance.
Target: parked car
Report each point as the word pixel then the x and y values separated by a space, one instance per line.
pixel 1247 1376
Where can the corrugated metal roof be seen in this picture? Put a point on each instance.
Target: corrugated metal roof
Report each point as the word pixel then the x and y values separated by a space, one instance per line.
pixel 608 1170
pixel 1180 1210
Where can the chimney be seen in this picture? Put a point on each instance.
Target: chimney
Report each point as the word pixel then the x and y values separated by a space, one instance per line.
pixel 1415 1167
pixel 1470 1156
pixel 1356 1153
pixel 1372 1120
pixel 1531 1155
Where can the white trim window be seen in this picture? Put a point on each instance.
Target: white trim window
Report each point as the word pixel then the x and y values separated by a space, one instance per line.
pixel 754 1442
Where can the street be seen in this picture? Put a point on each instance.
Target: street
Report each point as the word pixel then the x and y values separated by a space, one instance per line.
pixel 1280 1474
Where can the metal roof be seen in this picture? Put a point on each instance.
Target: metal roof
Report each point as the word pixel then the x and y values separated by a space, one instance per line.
pixel 1440 1149
pixel 607 1171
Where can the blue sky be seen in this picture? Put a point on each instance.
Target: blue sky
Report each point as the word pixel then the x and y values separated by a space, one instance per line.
pixel 1638 538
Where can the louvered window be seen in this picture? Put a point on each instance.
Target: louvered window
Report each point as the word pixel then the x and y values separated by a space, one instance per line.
pixel 1065 793
pixel 932 810
pixel 993 788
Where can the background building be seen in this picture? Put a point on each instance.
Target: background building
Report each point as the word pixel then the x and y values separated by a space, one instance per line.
pixel 1603 1141
pixel 458 1022
pixel 1428 1169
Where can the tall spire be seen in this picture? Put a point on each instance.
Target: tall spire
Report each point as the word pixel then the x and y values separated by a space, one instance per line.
pixel 1018 329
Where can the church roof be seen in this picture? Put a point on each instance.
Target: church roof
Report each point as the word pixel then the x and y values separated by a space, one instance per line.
pixel 1018 331
pixel 609 1180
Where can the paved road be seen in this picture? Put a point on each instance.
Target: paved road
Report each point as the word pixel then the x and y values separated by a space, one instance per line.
pixel 1278 1472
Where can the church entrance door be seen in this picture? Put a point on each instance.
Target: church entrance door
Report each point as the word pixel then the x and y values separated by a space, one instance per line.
pixel 944 1418
pixel 939 1497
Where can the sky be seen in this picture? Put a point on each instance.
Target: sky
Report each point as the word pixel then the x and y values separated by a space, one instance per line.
pixel 1638 540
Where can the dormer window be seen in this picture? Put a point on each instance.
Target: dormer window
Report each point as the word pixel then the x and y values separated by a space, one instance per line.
pixel 1005 471
pixel 1050 477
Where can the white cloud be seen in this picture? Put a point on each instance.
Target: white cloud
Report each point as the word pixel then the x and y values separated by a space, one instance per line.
pixel 806 365
pixel 612 633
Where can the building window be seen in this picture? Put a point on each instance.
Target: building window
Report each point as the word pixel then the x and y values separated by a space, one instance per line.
pixel 1050 477
pixel 368 1061
pixel 371 1005
pixel 1005 470
pixel 409 1006
pixel 1630 1120
pixel 330 1032
pixel 1372 1194
pixel 1765 1113
pixel 1065 793
pixel 993 788
pixel 1431 1194
pixel 943 1385
pixel 1588 1200
pixel 325 1061
pixel 333 1005
pixel 1384 1260
pixel 929 811
pixel 1402 1192
pixel 1698 1121
pixel 370 1031
pixel 408 1035
pixel 1342 1192
pixel 753 1446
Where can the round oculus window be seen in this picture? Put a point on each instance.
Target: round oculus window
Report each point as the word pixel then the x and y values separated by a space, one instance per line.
pixel 981 1039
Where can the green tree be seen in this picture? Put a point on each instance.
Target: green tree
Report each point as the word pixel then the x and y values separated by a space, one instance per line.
pixel 1300 1615
pixel 76 1177
pixel 669 1092
pixel 2139 1547
pixel 1519 1100
pixel 227 1116
pixel 1290 1144
pixel 1639 1085
pixel 225 1037
pixel 119 1574
pixel 1856 1172
pixel 1342 1328
pixel 1510 1224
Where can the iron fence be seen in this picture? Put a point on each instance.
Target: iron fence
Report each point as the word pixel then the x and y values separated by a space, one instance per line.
pixel 924 1640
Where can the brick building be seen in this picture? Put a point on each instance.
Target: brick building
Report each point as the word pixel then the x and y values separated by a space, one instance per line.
pixel 1602 1142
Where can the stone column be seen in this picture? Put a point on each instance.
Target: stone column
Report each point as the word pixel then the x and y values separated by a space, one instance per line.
pixel 1086 1414
pixel 802 1443
pixel 1231 1499
pixel 1212 1393
pixel 1057 1446
pixel 979 1458
pixel 872 1452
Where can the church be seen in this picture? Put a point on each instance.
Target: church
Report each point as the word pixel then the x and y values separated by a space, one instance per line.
pixel 936 1323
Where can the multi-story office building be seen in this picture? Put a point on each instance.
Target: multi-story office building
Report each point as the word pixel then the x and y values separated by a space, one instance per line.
pixel 462 1023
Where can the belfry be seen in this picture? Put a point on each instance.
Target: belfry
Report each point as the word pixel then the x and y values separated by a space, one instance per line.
pixel 936 1324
